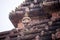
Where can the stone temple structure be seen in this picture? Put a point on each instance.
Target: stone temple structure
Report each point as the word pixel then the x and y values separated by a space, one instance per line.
pixel 35 20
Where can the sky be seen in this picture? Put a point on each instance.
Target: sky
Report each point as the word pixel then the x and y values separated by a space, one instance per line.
pixel 7 6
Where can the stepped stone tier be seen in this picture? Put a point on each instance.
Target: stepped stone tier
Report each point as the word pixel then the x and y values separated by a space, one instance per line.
pixel 35 20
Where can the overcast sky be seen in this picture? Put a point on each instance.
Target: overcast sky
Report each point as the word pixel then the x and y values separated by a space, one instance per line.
pixel 7 6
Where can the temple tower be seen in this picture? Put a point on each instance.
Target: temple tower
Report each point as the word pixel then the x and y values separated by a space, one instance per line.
pixel 35 20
